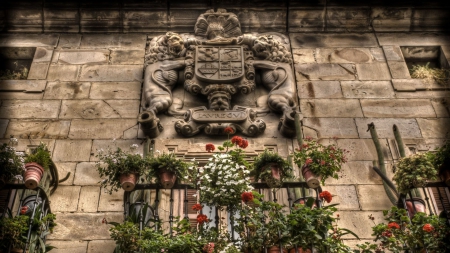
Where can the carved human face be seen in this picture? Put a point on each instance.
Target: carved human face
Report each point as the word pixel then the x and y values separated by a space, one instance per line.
pixel 176 44
pixel 219 102
pixel 262 47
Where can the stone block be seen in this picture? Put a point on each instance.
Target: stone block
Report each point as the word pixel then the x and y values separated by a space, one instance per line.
pixel 100 128
pixel 399 108
pixel 363 149
pixel 378 199
pixel 423 94
pixel 65 199
pixel 38 71
pixel 38 129
pixel 63 73
pixel 69 41
pixel 367 89
pixel 29 109
pixel 111 202
pixel 314 40
pixel 78 56
pixel 429 19
pixel 28 40
pixel 24 19
pixel 123 41
pixel 20 95
pixel 117 73
pixel 96 20
pixel 63 170
pixel 43 54
pixel 306 19
pixel 348 19
pixel 23 85
pixel 413 39
pixel 101 246
pixel 114 144
pixel 84 226
pixel 23 144
pixel 324 71
pixel 356 172
pixel 67 90
pixel 259 19
pixel 408 127
pixel 398 69
pixel 87 174
pixel 3 126
pixel 332 127
pixel 68 246
pixel 115 90
pixel 441 107
pixel 119 56
pixel 72 150
pixel 377 54
pixel 61 20
pixel 435 128
pixel 343 55
pixel 89 196
pixel 330 108
pixel 346 196
pixel 415 85
pixel 148 20
pixel 393 53
pixel 99 109
pixel 319 89
pixel 391 18
pixel 303 55
pixel 373 71
pixel 358 222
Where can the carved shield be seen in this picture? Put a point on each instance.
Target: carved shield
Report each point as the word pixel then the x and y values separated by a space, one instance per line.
pixel 219 64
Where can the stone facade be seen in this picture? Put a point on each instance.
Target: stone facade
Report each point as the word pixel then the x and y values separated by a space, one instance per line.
pixel 84 92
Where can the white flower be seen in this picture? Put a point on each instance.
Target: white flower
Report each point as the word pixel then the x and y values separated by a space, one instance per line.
pixel 134 146
pixel 10 160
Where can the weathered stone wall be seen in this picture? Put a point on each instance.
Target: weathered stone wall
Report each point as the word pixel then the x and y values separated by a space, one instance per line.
pixel 84 90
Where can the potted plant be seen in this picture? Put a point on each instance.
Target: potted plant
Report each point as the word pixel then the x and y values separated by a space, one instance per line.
pixel 225 176
pixel 167 168
pixel 120 169
pixel 422 232
pixel 13 230
pixel 36 164
pixel 271 168
pixel 413 172
pixel 319 162
pixel 12 164
pixel 441 161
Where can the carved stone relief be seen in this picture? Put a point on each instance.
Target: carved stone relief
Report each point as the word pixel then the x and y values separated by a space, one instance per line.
pixel 218 63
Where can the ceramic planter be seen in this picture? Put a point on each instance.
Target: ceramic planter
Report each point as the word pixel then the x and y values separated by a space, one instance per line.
pixel 128 181
pixel 312 180
pixel 167 179
pixel 299 250
pixel 273 180
pixel 32 175
pixel 276 249
pixel 415 205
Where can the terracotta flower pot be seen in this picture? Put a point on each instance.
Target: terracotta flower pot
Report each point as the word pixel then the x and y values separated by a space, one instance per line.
pixel 300 250
pixel 128 181
pixel 167 179
pixel 276 249
pixel 312 180
pixel 274 179
pixel 415 205
pixel 32 175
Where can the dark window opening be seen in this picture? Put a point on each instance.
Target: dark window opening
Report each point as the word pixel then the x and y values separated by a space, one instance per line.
pixel 15 62
pixel 426 62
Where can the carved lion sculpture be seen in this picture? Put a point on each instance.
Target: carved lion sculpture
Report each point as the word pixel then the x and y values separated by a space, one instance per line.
pixel 270 49
pixel 165 47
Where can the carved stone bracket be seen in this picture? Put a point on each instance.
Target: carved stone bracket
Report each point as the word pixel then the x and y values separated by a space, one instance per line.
pixel 212 122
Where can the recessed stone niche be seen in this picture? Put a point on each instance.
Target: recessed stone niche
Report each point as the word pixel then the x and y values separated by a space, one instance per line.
pixel 422 55
pixel 15 62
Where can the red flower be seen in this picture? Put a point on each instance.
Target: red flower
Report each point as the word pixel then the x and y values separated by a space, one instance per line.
pixel 247 196
pixel 308 161
pixel 197 207
pixel 209 247
pixel 244 143
pixel 322 162
pixel 201 218
pixel 386 233
pixel 428 228
pixel 236 140
pixel 393 225
pixel 228 130
pixel 210 147
pixel 23 210
pixel 326 195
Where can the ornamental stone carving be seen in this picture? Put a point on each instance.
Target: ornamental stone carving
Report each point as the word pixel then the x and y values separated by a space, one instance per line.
pixel 225 62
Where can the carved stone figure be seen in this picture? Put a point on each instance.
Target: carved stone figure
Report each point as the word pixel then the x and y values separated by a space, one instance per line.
pixel 225 63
